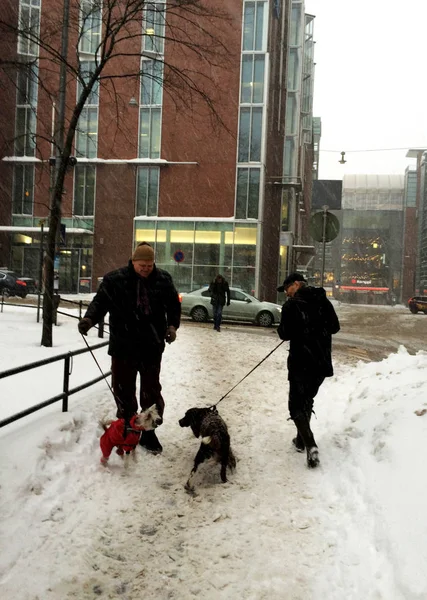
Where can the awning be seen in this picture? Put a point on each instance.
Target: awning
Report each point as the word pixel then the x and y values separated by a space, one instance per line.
pixel 24 229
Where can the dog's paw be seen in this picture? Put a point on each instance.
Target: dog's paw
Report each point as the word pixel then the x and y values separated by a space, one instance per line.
pixel 190 489
pixel 104 461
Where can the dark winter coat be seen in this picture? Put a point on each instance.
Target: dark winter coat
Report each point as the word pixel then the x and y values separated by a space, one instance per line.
pixel 220 292
pixel 140 311
pixel 308 320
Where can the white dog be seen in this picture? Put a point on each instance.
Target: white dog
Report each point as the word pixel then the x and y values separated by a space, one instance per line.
pixel 126 441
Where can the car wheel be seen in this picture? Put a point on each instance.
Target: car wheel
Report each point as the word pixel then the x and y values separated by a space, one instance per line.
pixel 265 319
pixel 199 314
pixel 7 292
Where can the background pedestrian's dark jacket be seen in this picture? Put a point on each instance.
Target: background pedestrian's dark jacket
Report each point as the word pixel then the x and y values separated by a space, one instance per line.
pixel 308 320
pixel 218 291
pixel 140 311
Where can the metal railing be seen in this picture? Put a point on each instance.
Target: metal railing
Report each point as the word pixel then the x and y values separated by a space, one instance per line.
pixel 66 391
pixel 79 303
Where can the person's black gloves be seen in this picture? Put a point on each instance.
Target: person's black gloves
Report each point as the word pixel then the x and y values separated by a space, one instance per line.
pixel 170 334
pixel 84 325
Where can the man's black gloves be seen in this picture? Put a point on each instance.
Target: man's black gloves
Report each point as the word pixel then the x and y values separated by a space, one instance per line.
pixel 170 334
pixel 84 325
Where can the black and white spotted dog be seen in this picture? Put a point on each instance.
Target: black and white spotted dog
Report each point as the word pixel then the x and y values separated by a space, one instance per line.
pixel 207 423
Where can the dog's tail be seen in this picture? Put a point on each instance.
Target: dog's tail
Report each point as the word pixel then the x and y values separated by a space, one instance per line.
pixel 105 423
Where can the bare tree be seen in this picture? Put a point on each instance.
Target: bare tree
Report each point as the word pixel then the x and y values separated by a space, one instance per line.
pixel 116 33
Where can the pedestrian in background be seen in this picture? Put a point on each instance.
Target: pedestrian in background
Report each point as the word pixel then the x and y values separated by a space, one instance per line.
pixel 308 321
pixel 144 312
pixel 220 295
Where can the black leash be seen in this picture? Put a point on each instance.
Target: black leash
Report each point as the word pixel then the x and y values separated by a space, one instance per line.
pixel 213 407
pixel 126 419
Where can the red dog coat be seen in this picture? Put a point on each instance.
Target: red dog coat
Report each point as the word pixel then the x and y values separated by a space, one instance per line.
pixel 113 436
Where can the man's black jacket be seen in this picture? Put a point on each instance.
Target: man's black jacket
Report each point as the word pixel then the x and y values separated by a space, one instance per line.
pixel 140 311
pixel 308 320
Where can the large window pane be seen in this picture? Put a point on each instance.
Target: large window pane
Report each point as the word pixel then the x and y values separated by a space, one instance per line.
pixel 23 190
pixel 151 82
pixel 249 26
pixel 258 80
pixel 256 131
pixel 90 25
pixel 147 191
pixel 253 26
pixel 242 193
pixel 246 91
pixel 253 196
pixel 149 133
pixel 84 191
pixel 244 134
pixel 154 28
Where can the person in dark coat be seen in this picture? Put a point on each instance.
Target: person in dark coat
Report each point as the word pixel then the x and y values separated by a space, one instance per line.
pixel 308 320
pixel 145 312
pixel 220 295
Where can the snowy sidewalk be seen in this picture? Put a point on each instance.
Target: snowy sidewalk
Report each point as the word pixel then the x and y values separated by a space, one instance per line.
pixel 72 529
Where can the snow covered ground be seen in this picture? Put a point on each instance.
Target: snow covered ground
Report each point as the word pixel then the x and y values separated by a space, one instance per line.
pixel 353 529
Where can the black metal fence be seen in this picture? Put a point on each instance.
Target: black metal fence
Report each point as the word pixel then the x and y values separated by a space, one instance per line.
pixel 66 391
pixel 79 303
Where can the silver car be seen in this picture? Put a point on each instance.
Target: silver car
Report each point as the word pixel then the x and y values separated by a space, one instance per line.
pixel 243 307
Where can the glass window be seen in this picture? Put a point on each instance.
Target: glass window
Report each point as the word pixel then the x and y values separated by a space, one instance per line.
pixel 84 190
pixel 87 133
pixel 236 295
pixel 289 158
pixel 29 25
pixel 149 133
pixel 26 104
pixel 254 37
pixel 207 247
pixel 294 70
pixel 90 25
pixel 27 85
pixel 247 195
pixel 154 28
pixel 291 123
pixel 25 142
pixel 23 189
pixel 151 83
pixel 147 193
pixel 252 85
pixel 250 135
pixel 86 70
pixel 296 25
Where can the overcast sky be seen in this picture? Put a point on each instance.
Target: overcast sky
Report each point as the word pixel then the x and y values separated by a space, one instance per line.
pixel 370 83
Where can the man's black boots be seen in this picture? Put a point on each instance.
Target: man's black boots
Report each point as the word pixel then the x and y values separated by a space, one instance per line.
pixel 150 442
pixel 302 423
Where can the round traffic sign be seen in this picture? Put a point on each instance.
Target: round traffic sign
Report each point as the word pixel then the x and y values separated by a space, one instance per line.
pixel 324 222
pixel 178 256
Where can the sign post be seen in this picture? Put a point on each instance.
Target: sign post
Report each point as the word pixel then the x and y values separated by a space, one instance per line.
pixel 324 227
pixel 41 274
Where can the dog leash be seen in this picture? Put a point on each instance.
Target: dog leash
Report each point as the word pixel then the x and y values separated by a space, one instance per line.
pixel 213 407
pixel 126 420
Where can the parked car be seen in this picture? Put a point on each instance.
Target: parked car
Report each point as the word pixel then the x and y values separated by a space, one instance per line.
pixel 418 304
pixel 243 307
pixel 31 284
pixel 11 285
